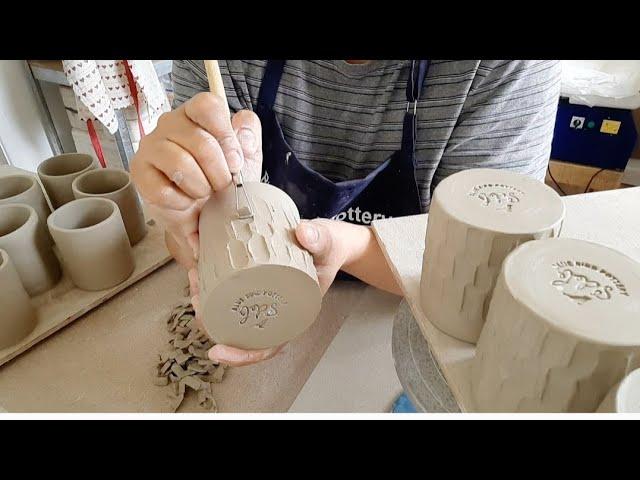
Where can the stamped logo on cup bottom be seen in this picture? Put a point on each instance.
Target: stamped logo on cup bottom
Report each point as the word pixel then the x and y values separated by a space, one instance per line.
pixel 583 282
pixel 258 307
pixel 499 196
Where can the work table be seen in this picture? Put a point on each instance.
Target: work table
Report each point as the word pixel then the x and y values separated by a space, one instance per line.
pixel 103 361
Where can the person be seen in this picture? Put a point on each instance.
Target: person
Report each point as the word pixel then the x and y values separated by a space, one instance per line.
pixel 350 141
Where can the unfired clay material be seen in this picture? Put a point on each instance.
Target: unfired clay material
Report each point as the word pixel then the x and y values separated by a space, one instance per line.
pixel 562 328
pixel 258 287
pixel 187 364
pixel 93 243
pixel 476 218
pixel 25 240
pixel 18 316
pixel 628 395
pixel 58 173
pixel 115 185
pixel 624 397
pixel 23 188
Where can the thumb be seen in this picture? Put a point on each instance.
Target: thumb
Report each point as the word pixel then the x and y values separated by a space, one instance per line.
pixel 317 239
pixel 246 125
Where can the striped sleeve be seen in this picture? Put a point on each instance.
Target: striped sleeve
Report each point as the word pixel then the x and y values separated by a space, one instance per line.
pixel 190 78
pixel 507 119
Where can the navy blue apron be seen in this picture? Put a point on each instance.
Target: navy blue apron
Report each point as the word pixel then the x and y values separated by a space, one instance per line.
pixel 388 191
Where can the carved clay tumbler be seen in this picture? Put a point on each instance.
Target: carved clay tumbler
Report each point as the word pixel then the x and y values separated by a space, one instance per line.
pixel 25 239
pixel 115 185
pixel 24 188
pixel 93 243
pixel 561 331
pixel 18 317
pixel 476 218
pixel 258 287
pixel 624 397
pixel 58 173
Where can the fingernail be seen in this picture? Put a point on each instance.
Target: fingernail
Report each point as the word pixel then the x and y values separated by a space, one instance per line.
pixel 234 160
pixel 310 233
pixel 212 355
pixel 247 139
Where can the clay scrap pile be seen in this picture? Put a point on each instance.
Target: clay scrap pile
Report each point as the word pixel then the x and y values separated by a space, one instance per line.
pixel 185 364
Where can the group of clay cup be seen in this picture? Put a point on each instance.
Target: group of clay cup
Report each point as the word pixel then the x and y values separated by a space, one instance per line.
pixel 97 218
pixel 556 321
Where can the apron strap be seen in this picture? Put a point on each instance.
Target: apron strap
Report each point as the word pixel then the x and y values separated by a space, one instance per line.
pixel 416 80
pixel 270 83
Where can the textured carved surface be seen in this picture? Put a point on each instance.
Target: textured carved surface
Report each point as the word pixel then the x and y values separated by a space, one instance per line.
pixel 232 254
pixel 607 218
pixel 460 267
pixel 523 364
pixel 269 238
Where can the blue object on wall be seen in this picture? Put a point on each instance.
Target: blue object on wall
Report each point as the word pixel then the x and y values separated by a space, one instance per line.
pixel 593 136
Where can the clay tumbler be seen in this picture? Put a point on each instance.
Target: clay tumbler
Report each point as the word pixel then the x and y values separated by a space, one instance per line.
pixel 562 329
pixel 18 317
pixel 476 218
pixel 258 287
pixel 624 397
pixel 24 188
pixel 115 185
pixel 93 243
pixel 25 240
pixel 58 173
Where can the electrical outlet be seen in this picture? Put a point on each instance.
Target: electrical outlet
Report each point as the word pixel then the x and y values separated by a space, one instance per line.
pixel 577 122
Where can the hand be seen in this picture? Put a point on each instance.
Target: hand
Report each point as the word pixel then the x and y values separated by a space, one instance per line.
pixel 328 242
pixel 192 152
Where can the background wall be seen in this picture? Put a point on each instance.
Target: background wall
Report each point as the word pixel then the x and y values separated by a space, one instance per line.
pixel 21 132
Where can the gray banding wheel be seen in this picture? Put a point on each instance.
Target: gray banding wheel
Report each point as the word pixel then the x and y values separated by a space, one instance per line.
pixel 417 370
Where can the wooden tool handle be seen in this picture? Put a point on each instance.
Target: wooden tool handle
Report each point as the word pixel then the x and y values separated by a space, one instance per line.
pixel 215 80
pixel 217 88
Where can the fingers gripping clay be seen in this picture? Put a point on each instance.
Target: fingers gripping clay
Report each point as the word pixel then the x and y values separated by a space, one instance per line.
pixel 258 287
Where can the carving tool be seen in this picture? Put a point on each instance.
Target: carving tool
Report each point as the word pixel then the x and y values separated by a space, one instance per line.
pixel 217 88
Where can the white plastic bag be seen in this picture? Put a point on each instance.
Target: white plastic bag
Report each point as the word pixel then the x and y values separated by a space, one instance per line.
pixel 602 83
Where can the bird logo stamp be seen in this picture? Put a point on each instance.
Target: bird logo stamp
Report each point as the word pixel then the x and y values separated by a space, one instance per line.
pixel 498 196
pixel 583 282
pixel 258 307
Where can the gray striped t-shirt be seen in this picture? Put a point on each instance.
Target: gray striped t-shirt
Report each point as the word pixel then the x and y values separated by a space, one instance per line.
pixel 343 120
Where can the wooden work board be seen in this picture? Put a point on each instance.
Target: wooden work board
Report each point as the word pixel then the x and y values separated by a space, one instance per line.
pixel 65 303
pixel 104 362
pixel 610 218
